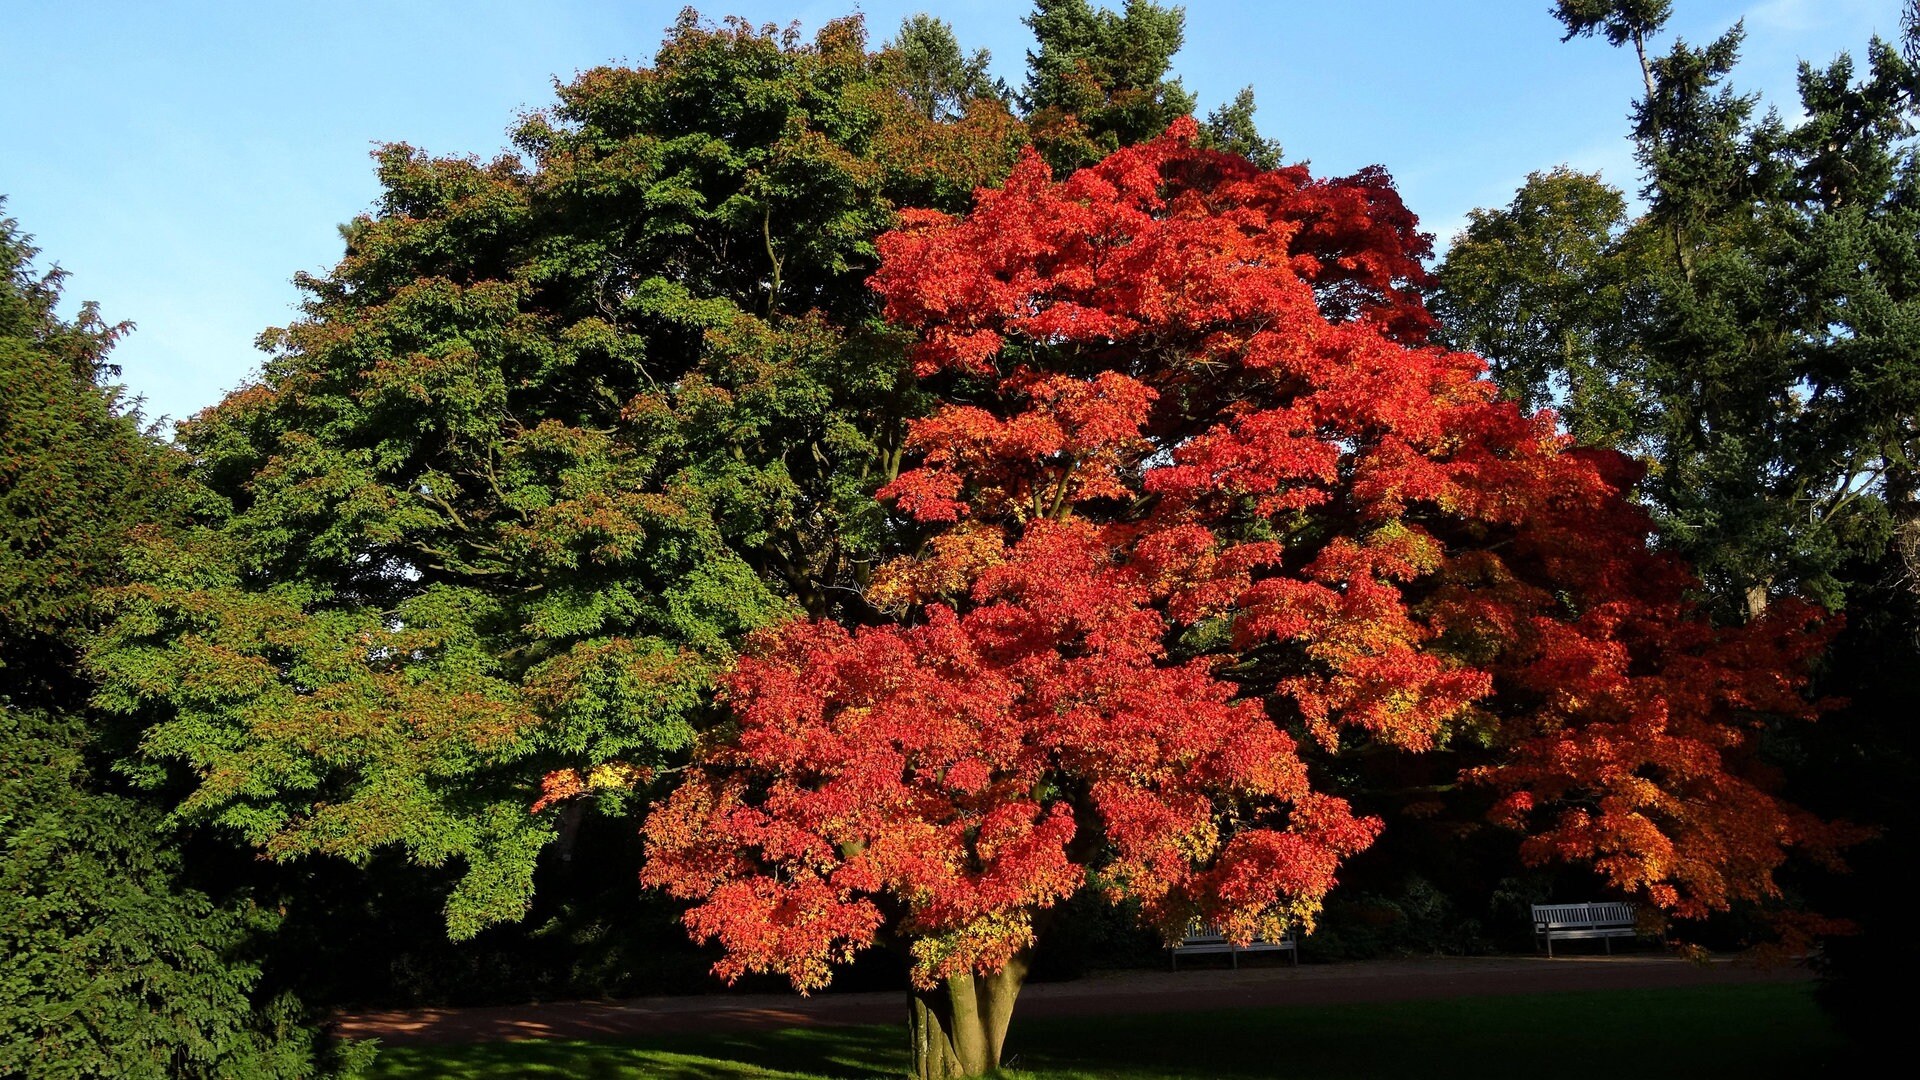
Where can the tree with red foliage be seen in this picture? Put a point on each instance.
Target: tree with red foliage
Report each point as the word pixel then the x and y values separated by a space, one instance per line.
pixel 1202 505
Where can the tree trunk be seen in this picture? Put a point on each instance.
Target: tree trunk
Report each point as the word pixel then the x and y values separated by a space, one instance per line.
pixel 959 1028
pixel 1902 493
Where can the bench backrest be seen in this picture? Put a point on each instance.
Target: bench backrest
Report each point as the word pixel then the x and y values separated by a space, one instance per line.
pixel 1208 934
pixel 1612 913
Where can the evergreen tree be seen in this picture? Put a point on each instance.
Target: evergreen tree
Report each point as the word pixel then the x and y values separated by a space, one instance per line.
pixel 66 443
pixel 1752 335
pixel 114 967
pixel 1099 78
pixel 1231 128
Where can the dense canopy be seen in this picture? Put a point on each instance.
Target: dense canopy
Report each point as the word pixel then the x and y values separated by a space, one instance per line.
pixel 1199 498
pixel 558 430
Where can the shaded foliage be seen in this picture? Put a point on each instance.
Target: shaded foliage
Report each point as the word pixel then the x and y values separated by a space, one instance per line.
pixel 1755 344
pixel 114 967
pixel 1860 762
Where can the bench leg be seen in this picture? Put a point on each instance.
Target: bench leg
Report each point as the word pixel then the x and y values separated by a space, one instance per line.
pixel 1549 946
pixel 1609 942
pixel 1236 959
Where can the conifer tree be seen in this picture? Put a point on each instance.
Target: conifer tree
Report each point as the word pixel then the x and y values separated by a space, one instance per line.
pixel 114 966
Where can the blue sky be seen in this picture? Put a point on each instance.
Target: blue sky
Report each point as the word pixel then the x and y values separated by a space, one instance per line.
pixel 183 160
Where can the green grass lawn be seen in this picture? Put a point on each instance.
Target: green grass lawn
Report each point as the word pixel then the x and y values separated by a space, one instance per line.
pixel 1734 1031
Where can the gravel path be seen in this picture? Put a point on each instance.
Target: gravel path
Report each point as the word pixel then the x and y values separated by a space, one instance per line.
pixel 1114 993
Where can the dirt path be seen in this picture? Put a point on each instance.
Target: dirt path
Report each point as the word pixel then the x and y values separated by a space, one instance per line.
pixel 1116 993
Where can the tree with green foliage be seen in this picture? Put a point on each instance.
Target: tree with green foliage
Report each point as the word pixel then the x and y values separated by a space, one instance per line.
pixel 1539 288
pixel 1098 80
pixel 1754 334
pixel 114 968
pixel 558 430
pixel 939 77
pixel 66 443
pixel 1230 128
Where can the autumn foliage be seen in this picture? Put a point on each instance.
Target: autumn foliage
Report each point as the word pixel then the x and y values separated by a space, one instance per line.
pixel 958 769
pixel 1202 507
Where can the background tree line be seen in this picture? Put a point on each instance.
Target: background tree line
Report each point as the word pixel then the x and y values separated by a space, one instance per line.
pixel 1751 333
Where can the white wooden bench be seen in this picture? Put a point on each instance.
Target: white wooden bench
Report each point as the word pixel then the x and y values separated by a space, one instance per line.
pixel 1565 922
pixel 1208 939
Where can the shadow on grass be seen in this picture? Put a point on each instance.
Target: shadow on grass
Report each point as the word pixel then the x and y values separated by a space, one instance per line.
pixel 1745 1031
pixel 840 1053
